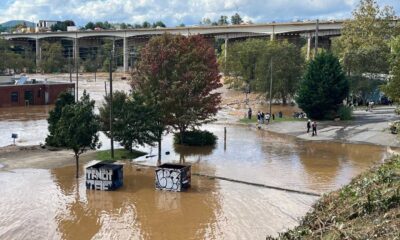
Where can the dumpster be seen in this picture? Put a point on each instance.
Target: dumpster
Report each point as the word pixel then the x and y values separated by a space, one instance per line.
pixel 173 177
pixel 104 176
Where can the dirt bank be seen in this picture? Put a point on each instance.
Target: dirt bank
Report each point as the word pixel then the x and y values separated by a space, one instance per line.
pixel 367 208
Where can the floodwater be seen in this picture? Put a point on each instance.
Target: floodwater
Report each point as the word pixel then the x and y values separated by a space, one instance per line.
pixel 52 204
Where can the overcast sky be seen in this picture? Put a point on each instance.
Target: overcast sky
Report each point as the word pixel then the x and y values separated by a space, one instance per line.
pixel 174 12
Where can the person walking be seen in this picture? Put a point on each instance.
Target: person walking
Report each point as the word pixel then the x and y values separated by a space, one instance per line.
pixel 262 117
pixel 249 112
pixel 314 128
pixel 267 117
pixel 258 117
pixel 273 116
pixel 308 125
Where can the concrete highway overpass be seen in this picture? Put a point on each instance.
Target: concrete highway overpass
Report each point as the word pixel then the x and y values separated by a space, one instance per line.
pixel 272 30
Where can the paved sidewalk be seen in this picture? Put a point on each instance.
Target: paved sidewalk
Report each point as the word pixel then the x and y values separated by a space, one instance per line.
pixel 367 127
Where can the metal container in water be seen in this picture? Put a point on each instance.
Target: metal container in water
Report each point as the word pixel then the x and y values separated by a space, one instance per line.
pixel 173 177
pixel 104 176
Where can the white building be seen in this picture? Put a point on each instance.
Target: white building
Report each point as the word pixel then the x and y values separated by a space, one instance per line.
pixel 45 25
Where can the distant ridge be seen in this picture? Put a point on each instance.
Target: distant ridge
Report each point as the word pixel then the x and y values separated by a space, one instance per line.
pixel 13 23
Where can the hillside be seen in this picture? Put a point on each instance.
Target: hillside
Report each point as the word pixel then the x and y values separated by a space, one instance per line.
pixel 13 23
pixel 367 208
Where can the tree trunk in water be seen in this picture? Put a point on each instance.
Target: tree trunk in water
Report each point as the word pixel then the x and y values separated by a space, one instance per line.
pixel 159 152
pixel 77 165
pixel 182 132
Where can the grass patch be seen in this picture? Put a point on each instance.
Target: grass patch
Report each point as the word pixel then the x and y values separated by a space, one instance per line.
pixel 367 208
pixel 119 154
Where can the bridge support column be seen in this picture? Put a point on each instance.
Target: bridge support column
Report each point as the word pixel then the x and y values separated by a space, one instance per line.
pixel 37 50
pixel 125 53
pixel 272 36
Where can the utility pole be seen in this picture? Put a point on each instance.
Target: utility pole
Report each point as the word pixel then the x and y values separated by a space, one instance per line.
pixel 270 93
pixel 316 38
pixel 111 105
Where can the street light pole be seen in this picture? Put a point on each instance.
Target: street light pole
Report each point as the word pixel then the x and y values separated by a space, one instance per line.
pixel 111 106
pixel 270 92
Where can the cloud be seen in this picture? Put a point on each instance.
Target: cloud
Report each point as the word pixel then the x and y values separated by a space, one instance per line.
pixel 174 12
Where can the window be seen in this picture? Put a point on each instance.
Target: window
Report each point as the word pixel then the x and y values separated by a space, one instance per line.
pixel 14 97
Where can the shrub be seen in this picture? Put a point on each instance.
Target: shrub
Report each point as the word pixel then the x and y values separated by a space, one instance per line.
pixel 394 127
pixel 397 110
pixel 345 113
pixel 196 138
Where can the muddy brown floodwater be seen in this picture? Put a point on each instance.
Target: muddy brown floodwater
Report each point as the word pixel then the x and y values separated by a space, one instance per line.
pixel 52 204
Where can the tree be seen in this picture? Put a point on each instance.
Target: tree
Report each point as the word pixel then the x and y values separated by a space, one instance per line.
pixel 392 88
pixel 363 46
pixel 62 26
pixel 205 21
pixel 52 58
pixel 146 24
pixel 324 87
pixel 135 125
pixel 176 75
pixel 77 128
pixel 119 100
pixel 249 64
pixel 223 20
pixel 158 24
pixel 236 19
pixel 90 25
pixel 64 99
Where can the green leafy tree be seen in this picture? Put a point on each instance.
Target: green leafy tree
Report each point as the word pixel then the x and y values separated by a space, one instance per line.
pixel 249 66
pixel 223 20
pixel 392 88
pixel 64 99
pixel 90 25
pixel 324 87
pixel 52 58
pixel 135 124
pixel 158 24
pixel 119 100
pixel 236 19
pixel 77 128
pixel 146 24
pixel 363 46
pixel 62 26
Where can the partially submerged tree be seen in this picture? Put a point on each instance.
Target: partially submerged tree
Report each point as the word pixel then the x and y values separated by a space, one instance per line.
pixel 64 99
pixel 177 76
pixel 77 128
pixel 324 87
pixel 52 58
pixel 133 120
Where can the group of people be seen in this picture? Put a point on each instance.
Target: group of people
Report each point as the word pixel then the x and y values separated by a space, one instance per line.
pixel 264 117
pixel 312 125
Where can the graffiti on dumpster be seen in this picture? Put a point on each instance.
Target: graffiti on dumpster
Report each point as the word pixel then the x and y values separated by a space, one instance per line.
pixel 168 179
pixel 99 179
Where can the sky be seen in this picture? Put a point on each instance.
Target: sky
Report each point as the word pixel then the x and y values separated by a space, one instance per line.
pixel 175 12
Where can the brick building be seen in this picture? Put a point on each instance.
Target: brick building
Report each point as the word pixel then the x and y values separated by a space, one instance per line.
pixel 32 93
